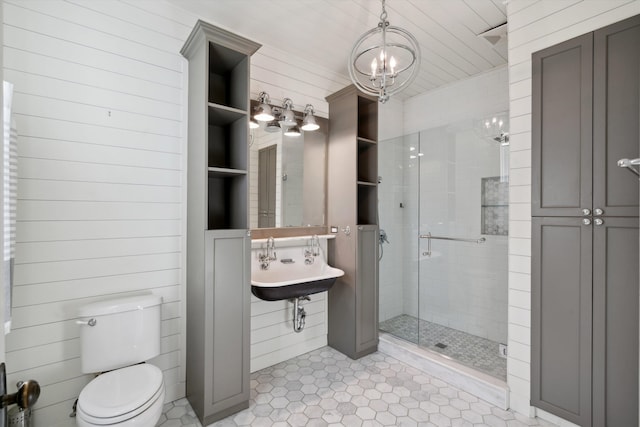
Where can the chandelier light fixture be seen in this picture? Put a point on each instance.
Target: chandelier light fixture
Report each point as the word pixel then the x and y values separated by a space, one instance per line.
pixel 384 60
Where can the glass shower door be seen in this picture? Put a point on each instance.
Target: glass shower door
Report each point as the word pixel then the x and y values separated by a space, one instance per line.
pixel 398 194
pixel 462 268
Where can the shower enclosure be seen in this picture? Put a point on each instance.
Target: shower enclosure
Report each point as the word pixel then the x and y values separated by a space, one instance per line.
pixel 443 203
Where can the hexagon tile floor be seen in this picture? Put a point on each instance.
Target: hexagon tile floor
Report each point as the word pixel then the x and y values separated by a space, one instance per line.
pixel 326 388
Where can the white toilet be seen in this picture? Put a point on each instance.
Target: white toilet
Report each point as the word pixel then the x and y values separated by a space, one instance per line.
pixel 115 336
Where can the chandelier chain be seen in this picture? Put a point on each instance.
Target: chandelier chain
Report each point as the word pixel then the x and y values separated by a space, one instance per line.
pixel 383 15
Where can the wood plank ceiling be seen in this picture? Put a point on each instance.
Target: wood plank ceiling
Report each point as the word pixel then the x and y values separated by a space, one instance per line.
pixel 323 31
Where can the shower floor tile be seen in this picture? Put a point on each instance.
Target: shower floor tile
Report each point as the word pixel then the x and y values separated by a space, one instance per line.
pixel 476 352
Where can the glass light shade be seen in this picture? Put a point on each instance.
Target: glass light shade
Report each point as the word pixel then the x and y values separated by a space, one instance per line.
pixel 292 131
pixel 272 127
pixel 253 124
pixel 263 113
pixel 309 123
pixel 288 118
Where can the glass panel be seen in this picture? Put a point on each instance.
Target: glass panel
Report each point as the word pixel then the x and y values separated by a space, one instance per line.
pixel 463 205
pixel 398 218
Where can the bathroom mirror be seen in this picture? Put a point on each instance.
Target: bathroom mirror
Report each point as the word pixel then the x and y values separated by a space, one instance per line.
pixel 288 177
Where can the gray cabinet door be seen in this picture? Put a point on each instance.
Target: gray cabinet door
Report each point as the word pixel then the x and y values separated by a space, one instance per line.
pixel 561 318
pixel 227 293
pixel 562 128
pixel 367 289
pixel 615 116
pixel 615 322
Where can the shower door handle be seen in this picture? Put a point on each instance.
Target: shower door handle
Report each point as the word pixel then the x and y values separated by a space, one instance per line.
pixel 428 237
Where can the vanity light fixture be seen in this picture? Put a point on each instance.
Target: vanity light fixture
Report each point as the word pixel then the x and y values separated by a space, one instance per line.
pixel 272 126
pixel 263 112
pixel 292 131
pixel 288 117
pixel 309 121
pixel 282 118
pixel 384 60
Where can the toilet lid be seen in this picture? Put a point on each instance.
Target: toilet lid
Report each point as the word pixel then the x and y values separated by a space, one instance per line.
pixel 118 393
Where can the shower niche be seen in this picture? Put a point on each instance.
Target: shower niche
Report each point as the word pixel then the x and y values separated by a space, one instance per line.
pixel 494 209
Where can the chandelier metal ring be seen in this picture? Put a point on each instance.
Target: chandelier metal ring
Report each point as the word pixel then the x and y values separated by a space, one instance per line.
pixel 395 59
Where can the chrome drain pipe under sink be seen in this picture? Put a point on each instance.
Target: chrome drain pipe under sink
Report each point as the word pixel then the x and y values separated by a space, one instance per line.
pixel 298 313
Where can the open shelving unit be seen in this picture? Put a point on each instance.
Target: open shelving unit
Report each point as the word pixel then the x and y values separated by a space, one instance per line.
pixel 352 205
pixel 218 242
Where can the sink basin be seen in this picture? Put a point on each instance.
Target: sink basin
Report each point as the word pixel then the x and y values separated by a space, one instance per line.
pixel 292 278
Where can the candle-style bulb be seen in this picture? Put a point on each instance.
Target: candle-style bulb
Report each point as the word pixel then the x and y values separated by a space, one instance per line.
pixel 392 64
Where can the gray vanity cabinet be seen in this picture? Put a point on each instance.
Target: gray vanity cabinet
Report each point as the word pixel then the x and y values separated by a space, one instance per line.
pixel 586 116
pixel 352 186
pixel 218 243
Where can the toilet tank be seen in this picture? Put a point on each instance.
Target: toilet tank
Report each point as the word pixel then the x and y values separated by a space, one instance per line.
pixel 126 331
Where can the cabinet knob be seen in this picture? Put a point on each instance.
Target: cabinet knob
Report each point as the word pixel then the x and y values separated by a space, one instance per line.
pixel 586 221
pixel 598 212
pixel 586 212
pixel 598 221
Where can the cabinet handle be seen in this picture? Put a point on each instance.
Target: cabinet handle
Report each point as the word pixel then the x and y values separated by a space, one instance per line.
pixel 598 221
pixel 598 212
pixel 586 221
pixel 586 212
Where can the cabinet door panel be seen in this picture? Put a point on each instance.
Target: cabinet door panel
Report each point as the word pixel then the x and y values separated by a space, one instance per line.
pixel 228 282
pixel 562 128
pixel 615 319
pixel 367 289
pixel 616 110
pixel 561 313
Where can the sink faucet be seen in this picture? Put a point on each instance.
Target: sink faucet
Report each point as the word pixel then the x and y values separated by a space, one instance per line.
pixel 270 254
pixel 271 249
pixel 313 250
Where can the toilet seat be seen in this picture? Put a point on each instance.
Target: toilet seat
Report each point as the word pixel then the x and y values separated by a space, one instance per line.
pixel 120 395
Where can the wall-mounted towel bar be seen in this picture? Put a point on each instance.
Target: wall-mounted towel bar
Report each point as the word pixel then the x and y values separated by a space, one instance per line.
pixel 430 237
pixel 629 164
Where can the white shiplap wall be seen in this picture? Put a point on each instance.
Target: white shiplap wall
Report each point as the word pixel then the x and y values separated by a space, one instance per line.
pixel 535 25
pixel 100 88
pixel 98 106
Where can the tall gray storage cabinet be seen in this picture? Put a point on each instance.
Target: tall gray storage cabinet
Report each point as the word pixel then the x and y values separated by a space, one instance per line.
pixel 218 241
pixel 586 116
pixel 352 190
